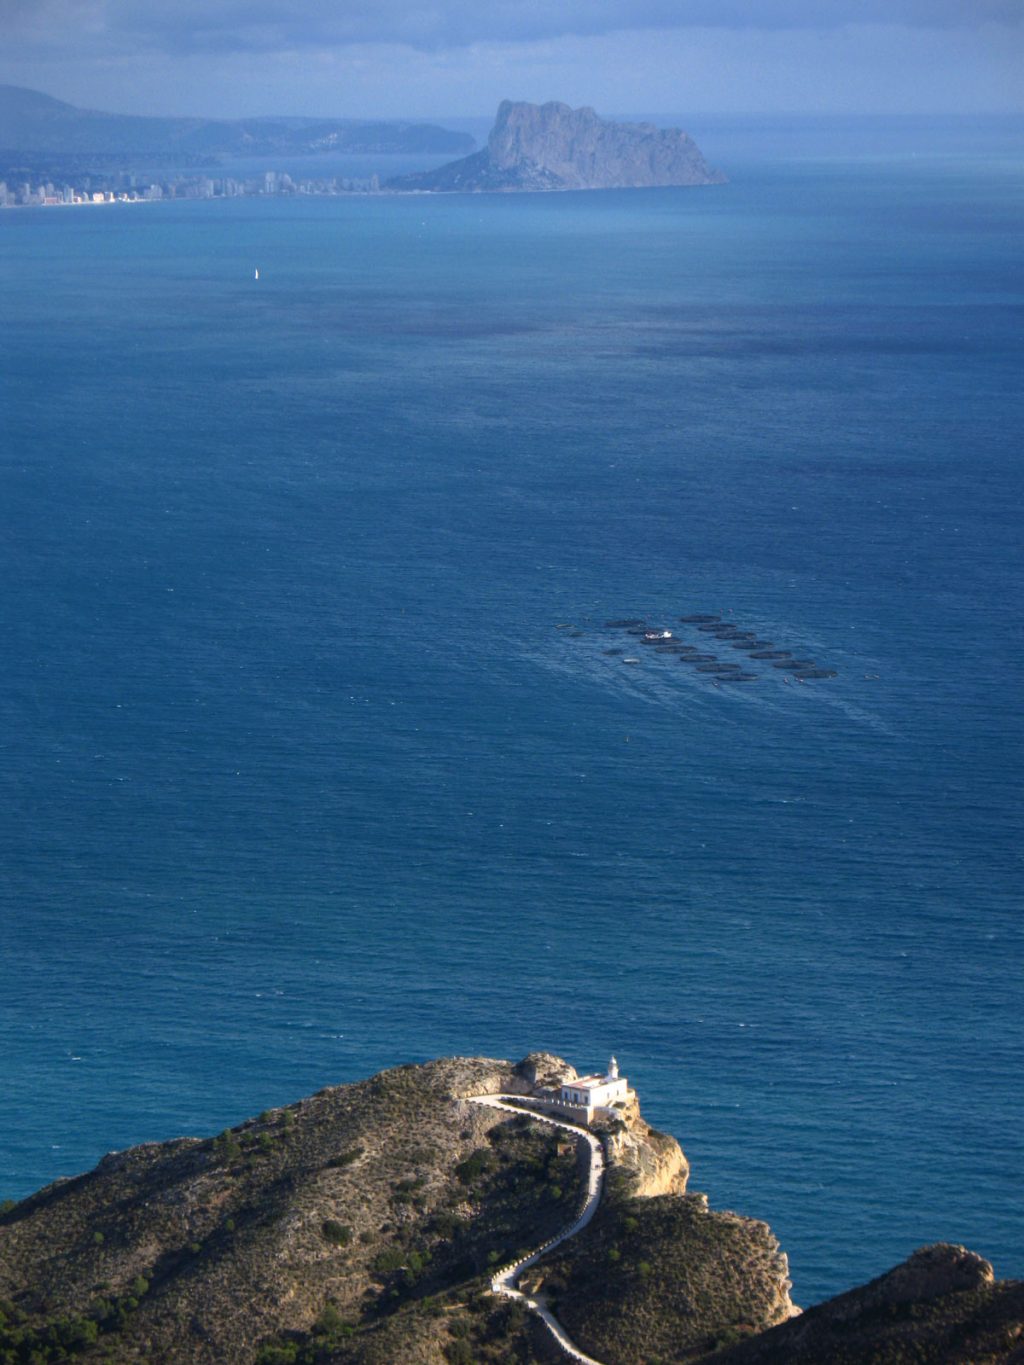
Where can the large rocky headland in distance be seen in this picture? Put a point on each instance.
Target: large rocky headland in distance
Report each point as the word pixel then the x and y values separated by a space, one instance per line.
pixel 363 1226
pixel 536 147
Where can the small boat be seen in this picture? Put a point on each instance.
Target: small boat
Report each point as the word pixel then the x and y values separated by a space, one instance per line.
pixel 631 661
pixel 256 273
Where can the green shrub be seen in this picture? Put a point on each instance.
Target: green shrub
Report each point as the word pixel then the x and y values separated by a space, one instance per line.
pixel 337 1233
pixel 226 1145
pixel 278 1355
pixel 474 1166
pixel 98 1239
pixel 329 1322
pixel 391 1259
pixel 346 1158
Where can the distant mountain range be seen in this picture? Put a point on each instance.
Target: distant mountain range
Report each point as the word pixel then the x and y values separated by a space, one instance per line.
pixel 37 123
pixel 552 147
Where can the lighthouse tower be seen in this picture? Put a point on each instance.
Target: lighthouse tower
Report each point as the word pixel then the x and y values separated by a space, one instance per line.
pixel 596 1092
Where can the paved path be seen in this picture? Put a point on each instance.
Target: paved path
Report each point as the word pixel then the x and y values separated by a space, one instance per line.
pixel 505 1280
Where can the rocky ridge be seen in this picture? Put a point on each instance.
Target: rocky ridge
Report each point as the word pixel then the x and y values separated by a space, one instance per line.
pixel 537 147
pixel 361 1226
pixel 38 123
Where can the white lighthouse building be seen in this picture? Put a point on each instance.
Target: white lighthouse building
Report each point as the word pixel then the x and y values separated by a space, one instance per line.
pixel 596 1092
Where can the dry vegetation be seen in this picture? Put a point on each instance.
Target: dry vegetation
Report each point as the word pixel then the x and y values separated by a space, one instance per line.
pixel 361 1226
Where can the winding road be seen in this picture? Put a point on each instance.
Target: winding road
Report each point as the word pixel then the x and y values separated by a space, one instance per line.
pixel 504 1280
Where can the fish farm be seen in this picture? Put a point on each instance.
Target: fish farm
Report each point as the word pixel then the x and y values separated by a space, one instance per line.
pixel 708 629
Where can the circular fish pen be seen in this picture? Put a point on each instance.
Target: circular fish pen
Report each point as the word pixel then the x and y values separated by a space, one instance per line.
pixel 805 675
pixel 797 665
pixel 697 620
pixel 723 669
pixel 772 654
pixel 697 659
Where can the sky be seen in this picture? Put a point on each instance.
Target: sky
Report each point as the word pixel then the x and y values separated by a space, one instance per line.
pixel 438 58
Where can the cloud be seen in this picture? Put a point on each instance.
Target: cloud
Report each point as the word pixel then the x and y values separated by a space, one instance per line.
pixel 226 26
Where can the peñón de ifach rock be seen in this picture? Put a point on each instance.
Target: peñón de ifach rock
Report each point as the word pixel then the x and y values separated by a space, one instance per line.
pixel 552 147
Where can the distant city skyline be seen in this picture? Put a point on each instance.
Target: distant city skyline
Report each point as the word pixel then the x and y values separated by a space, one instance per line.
pixel 229 58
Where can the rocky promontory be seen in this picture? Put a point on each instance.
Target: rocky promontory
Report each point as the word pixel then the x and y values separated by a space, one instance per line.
pixel 553 147
pixel 363 1225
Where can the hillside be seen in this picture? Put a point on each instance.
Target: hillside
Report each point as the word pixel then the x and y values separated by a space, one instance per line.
pixel 362 1226
pixel 33 122
pixel 536 147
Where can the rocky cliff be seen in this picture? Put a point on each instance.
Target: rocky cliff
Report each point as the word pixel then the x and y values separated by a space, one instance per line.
pixel 361 1226
pixel 553 147
pixel 942 1306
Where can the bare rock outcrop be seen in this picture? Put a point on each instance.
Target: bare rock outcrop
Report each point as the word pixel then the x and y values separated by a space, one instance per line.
pixel 654 1162
pixel 942 1305
pixel 541 1071
pixel 553 147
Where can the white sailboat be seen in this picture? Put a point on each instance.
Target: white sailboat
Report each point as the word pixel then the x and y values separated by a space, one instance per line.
pixel 256 273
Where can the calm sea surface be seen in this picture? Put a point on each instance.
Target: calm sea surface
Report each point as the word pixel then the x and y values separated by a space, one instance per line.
pixel 301 779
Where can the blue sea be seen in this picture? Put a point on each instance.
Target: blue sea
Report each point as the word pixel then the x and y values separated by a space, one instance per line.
pixel 312 757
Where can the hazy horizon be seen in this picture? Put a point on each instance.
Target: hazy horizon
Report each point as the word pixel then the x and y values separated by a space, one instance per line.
pixel 223 59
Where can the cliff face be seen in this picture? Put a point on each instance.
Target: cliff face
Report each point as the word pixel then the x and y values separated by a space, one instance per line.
pixel 652 1163
pixel 552 147
pixel 667 1278
pixel 942 1305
